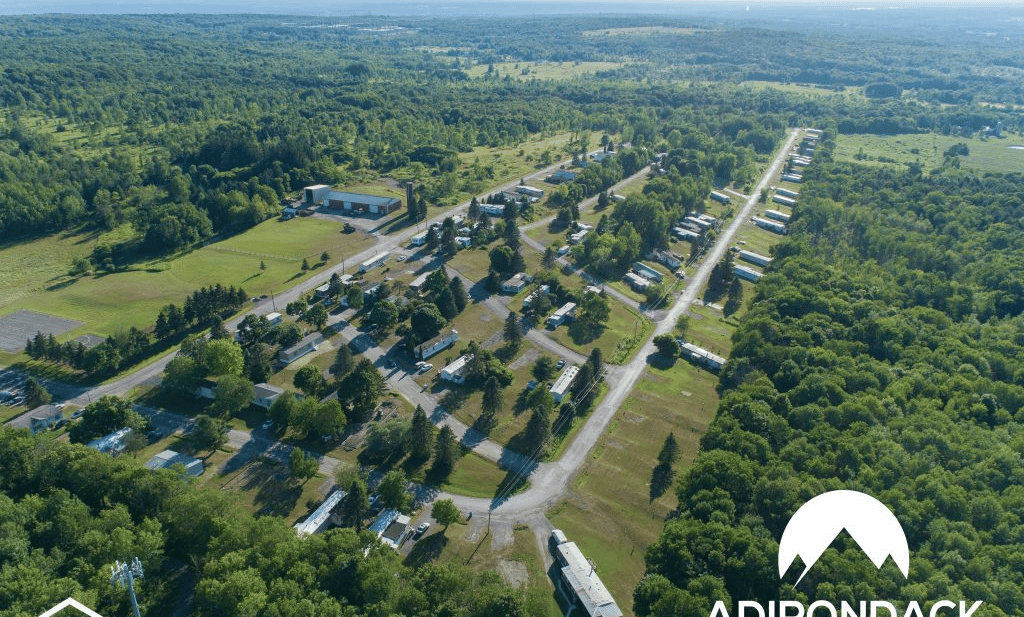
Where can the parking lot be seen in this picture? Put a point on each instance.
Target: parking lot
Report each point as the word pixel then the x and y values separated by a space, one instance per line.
pixel 12 388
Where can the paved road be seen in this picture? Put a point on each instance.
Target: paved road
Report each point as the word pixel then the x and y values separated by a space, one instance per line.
pixel 549 481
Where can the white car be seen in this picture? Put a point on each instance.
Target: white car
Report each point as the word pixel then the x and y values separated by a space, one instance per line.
pixel 422 529
pixel 426 367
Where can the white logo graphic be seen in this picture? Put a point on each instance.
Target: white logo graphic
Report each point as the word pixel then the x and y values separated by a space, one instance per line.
pixel 73 604
pixel 817 523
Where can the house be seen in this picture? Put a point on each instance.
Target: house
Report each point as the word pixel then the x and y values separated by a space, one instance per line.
pixel 579 581
pixel 419 239
pixel 516 283
pixel 755 258
pixel 274 318
pixel 392 528
pixel 746 273
pixel 778 216
pixel 720 197
pixel 42 418
pixel 454 371
pixel 321 291
pixel 492 209
pixel 112 444
pixel 647 272
pixel 206 388
pixel 437 344
pixel 562 315
pixel 562 385
pixel 562 176
pixel 701 356
pixel 264 395
pixel 773 226
pixel 667 258
pixel 637 282
pixel 464 241
pixel 536 293
pixel 530 191
pixel 323 517
pixel 170 458
pixel 309 343
pixel 418 282
pixel 374 262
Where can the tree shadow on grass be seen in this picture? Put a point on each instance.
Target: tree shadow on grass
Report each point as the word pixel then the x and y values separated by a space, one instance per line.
pixel 426 550
pixel 661 480
pixel 276 491
pixel 660 362
pixel 581 334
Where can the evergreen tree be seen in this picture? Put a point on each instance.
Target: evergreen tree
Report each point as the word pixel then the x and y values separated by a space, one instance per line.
pixel 421 436
pixel 548 260
pixel 35 393
pixel 735 299
pixel 423 208
pixel 355 506
pixel 513 331
pixel 209 433
pixel 492 399
pixel 305 264
pixel 459 297
pixel 596 363
pixel 325 257
pixel 538 429
pixel 445 451
pixel 217 329
pixel 474 210
pixel 343 361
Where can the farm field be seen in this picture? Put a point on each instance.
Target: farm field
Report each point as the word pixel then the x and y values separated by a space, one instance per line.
pixel 34 273
pixel 928 148
pixel 558 71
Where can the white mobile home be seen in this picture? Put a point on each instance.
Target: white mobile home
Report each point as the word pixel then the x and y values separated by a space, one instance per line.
pixel 419 239
pixel 310 343
pixel 773 226
pixel 746 273
pixel 755 258
pixel 454 372
pixel 702 356
pixel 562 315
pixel 720 197
pixel 778 216
pixel 637 282
pixel 529 191
pixel 374 262
pixel 782 199
pixel 647 272
pixel 797 178
pixel 787 192
pixel 562 385
pixel 437 344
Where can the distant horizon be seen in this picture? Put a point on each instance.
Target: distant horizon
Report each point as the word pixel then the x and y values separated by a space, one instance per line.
pixel 405 8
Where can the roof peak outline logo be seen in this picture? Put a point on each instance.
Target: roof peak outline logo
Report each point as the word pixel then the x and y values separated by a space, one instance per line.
pixel 869 522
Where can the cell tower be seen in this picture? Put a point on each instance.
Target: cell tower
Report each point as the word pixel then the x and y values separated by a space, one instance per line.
pixel 125 574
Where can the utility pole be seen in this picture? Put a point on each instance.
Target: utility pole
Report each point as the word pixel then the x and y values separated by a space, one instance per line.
pixel 125 574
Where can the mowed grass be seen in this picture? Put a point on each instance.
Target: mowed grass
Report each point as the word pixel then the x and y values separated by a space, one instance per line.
pixel 928 149
pixel 811 90
pixel 610 513
pixel 622 323
pixel 32 275
pixel 474 476
pixel 558 71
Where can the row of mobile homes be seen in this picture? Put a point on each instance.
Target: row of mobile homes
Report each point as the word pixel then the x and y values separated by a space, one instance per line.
pixel 562 385
pixel 772 226
pixel 562 315
pixel 720 197
pixel 755 258
pixel 746 273
pixel 373 262
pixel 455 372
pixel 437 344
pixel 701 356
pixel 776 215
pixel 699 222
pixel 685 234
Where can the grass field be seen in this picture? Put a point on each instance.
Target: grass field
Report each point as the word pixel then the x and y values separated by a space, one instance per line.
pixel 622 323
pixel 928 149
pixel 513 162
pixel 33 274
pixel 558 71
pixel 811 90
pixel 610 512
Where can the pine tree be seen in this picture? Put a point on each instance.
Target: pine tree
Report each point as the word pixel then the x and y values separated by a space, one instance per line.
pixel 474 210
pixel 596 362
pixel 421 436
pixel 356 505
pixel 444 453
pixel 513 332
pixel 423 208
pixel 305 264
pixel 458 290
pixel 492 399
pixel 538 429
pixel 548 261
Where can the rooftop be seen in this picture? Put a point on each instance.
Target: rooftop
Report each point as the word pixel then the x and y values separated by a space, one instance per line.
pixel 321 514
pixel 373 200
pixel 582 575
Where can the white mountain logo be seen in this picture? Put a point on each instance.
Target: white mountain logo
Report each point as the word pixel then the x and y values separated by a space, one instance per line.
pixel 817 523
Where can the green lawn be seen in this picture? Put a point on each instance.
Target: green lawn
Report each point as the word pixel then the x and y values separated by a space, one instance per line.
pixel 474 476
pixel 558 71
pixel 33 273
pixel 622 323
pixel 928 148
pixel 610 512
pixel 811 90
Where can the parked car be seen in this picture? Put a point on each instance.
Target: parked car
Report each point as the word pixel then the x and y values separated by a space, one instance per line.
pixel 559 364
pixel 426 367
pixel 422 529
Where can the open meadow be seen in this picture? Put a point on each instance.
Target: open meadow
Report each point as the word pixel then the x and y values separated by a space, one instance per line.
pixel 990 154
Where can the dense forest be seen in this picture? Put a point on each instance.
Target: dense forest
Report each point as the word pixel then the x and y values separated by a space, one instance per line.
pixel 67 512
pixel 882 353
